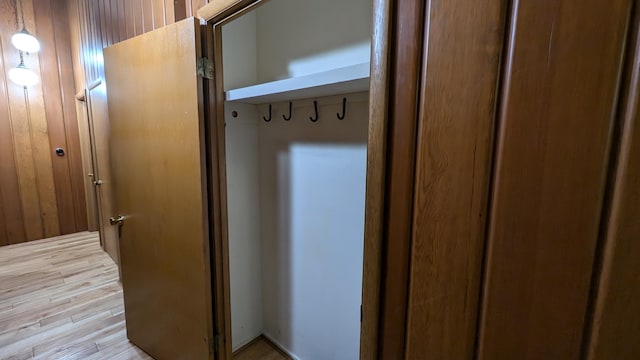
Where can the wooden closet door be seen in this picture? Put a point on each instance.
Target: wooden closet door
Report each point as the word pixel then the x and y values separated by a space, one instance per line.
pixel 158 154
pixel 558 101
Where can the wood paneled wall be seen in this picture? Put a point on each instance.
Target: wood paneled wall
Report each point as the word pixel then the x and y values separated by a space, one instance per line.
pixel 558 104
pixel 41 194
pixel 97 24
pixel 453 173
pixel 615 326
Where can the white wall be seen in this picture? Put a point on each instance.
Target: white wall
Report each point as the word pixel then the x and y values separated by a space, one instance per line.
pixel 312 179
pixel 239 55
pixel 287 38
pixel 243 204
pixel 303 37
pixel 296 189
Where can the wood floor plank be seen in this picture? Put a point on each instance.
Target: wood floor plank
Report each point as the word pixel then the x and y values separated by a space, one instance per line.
pixel 260 349
pixel 60 299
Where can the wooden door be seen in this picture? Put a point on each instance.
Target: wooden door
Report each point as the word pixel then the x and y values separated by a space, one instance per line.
pixel 158 165
pixel 99 126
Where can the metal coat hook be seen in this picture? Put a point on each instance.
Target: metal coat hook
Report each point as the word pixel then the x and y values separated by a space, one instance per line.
pixel 288 118
pixel 315 106
pixel 344 109
pixel 269 119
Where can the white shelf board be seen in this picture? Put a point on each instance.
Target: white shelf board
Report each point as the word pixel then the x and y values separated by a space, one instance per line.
pixel 344 80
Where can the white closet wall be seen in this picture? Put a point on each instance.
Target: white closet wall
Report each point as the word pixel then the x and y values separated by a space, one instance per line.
pixel 296 188
pixel 298 37
pixel 239 58
pixel 243 198
pixel 312 185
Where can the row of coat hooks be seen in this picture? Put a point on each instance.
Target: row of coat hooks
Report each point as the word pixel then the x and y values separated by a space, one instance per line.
pixel 315 118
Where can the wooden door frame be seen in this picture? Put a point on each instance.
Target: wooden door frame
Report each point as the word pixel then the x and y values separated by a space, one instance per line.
pixel 86 149
pixel 221 12
pixel 93 155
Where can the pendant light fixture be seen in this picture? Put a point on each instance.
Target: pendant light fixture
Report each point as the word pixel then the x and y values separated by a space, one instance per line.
pixel 23 40
pixel 26 42
pixel 23 76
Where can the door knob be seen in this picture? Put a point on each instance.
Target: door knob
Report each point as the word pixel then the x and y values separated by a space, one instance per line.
pixel 97 182
pixel 119 220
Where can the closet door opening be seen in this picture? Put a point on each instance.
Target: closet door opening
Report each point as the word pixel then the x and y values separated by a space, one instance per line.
pixel 296 113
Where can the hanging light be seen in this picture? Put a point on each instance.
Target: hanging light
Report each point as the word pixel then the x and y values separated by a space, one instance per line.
pixel 26 42
pixel 23 40
pixel 23 76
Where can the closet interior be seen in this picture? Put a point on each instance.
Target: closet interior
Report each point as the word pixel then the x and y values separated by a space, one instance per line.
pixel 296 78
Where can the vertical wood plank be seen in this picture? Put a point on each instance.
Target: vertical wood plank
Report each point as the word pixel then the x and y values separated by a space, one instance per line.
pixel 115 20
pixel 196 5
pixel 147 15
pixel 95 34
pixel 102 22
pixel 169 12
pixel 457 110
pixel 560 92
pixel 122 20
pixel 86 41
pixel 75 38
pixel 72 133
pixel 110 12
pixel 130 22
pixel 616 321
pixel 24 160
pixel 139 18
pixel 5 145
pixel 41 147
pixel 158 14
pixel 406 65
pixel 180 9
pixel 189 5
pixel 13 224
pixel 55 116
pixel 4 239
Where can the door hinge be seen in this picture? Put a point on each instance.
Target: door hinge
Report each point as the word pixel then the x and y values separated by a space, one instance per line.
pixel 205 68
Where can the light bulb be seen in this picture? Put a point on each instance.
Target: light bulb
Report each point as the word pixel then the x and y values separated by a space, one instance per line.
pixel 26 42
pixel 23 76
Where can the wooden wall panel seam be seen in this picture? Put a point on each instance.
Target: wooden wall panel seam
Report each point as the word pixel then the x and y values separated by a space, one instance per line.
pixel 37 169
pixel 463 43
pixel 597 344
pixel 406 47
pixel 500 80
pixel 62 35
pixel 553 150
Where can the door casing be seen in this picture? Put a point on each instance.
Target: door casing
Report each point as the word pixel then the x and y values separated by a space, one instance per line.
pixel 219 13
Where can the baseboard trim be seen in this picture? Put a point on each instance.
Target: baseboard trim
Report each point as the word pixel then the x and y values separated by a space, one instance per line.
pixel 246 345
pixel 281 349
pixel 271 342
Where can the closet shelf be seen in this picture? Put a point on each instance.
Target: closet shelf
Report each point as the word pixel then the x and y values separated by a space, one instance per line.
pixel 344 80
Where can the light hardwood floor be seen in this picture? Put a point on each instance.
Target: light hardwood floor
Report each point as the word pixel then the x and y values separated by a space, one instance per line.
pixel 259 349
pixel 60 299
